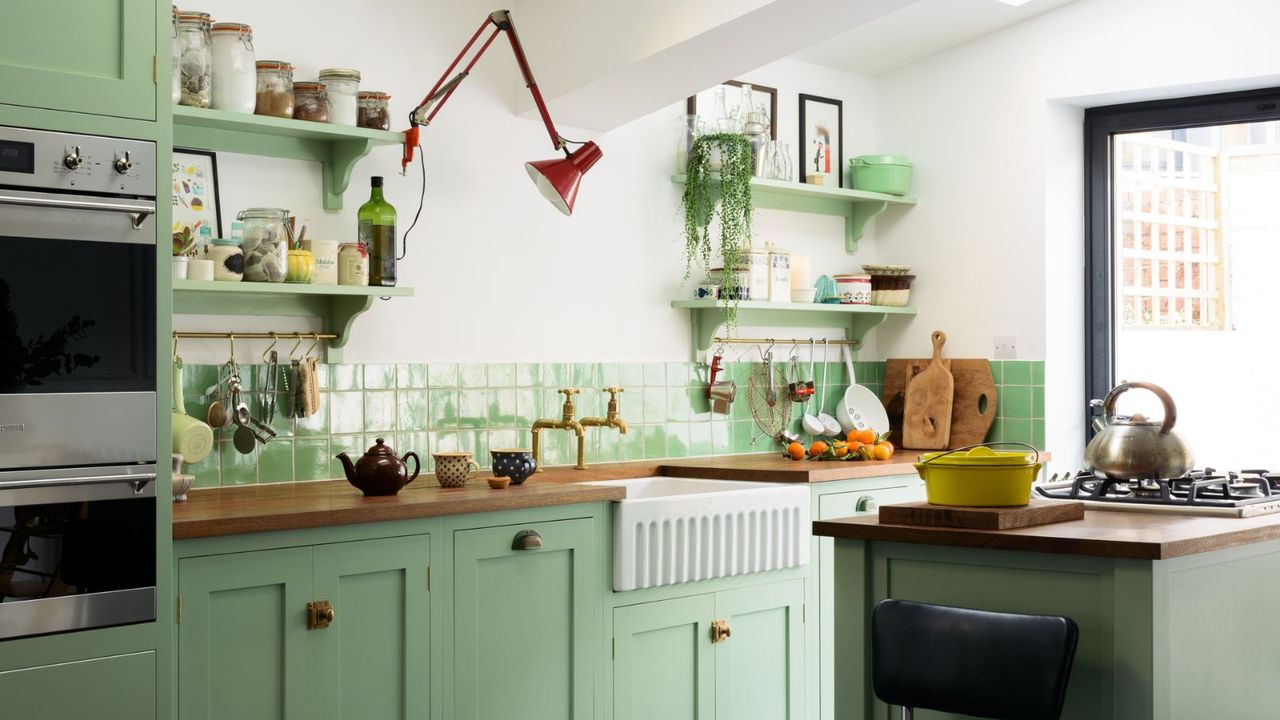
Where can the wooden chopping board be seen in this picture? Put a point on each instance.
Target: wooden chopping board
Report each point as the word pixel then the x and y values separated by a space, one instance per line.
pixel 926 410
pixel 973 409
pixel 1039 512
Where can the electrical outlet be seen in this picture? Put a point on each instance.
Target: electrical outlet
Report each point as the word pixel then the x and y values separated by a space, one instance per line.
pixel 1006 347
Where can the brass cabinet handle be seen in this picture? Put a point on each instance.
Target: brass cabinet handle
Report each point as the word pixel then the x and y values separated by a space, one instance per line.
pixel 527 540
pixel 866 503
pixel 320 615
pixel 720 631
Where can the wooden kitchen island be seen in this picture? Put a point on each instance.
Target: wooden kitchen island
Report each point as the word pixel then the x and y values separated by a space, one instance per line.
pixel 1176 613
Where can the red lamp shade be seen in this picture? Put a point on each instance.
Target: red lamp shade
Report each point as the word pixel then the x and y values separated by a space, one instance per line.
pixel 558 179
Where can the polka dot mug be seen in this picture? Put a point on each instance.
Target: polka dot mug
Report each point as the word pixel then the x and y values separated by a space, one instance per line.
pixel 454 469
pixel 516 464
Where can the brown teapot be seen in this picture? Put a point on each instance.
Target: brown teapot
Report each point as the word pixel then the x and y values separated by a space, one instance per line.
pixel 379 471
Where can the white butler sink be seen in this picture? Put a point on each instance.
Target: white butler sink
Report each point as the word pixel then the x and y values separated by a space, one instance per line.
pixel 674 530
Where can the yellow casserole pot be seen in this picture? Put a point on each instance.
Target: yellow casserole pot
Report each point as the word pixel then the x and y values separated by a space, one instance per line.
pixel 978 476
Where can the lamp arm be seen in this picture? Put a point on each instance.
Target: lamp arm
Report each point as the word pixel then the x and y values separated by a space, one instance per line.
pixel 440 93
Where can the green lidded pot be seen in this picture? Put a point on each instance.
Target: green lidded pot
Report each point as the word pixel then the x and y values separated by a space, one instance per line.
pixel 890 174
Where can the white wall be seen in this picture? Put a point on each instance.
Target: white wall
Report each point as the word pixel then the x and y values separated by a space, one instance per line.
pixel 499 274
pixel 995 129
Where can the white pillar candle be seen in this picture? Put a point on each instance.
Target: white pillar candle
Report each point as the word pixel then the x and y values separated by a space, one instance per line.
pixel 800 272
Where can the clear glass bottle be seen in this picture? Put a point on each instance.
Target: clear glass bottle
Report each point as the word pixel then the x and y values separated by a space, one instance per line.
pixel 265 244
pixel 720 111
pixel 274 89
pixel 756 134
pixel 372 111
pixel 745 100
pixel 196 61
pixel 343 86
pixel 310 102
pixel 235 76
pixel 377 233
pixel 690 127
pixel 175 66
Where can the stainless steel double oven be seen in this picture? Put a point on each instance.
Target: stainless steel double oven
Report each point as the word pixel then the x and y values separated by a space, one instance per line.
pixel 77 382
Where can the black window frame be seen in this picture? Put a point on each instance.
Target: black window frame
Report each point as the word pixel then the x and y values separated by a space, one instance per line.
pixel 1100 124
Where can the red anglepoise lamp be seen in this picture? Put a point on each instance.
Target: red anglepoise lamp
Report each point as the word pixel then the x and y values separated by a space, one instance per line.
pixel 556 179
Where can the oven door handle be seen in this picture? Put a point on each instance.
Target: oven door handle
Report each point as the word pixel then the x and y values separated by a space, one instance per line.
pixel 138 210
pixel 138 481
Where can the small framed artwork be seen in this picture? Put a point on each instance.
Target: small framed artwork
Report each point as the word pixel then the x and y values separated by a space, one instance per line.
pixel 822 140
pixel 763 99
pixel 195 197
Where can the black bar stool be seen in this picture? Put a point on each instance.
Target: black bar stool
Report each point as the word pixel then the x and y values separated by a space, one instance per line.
pixel 972 662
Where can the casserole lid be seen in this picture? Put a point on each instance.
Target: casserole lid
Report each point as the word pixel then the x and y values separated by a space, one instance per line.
pixel 979 456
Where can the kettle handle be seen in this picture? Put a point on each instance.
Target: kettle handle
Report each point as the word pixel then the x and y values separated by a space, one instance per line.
pixel 1170 410
pixel 417 465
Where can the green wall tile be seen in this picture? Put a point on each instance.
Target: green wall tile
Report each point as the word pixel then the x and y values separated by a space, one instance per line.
pixel 997 371
pixel 631 375
pixel 442 375
pixel 679 374
pixel 412 409
pixel 345 377
pixel 208 472
pixel 743 430
pixel 699 403
pixel 528 375
pixel 442 408
pixel 379 411
pixel 655 374
pixel 275 462
pixel 631 445
pixel 352 445
pixel 504 438
pixel 528 406
pixel 584 376
pixel 1037 401
pixel 472 375
pixel 412 375
pixel 1037 372
pixel 1015 401
pixel 379 377
pixel 655 405
pixel 555 448
pixel 677 440
pixel 1017 372
pixel 502 407
pixel 1017 430
pixel 655 441
pixel 610 375
pixel 237 469
pixel 996 433
pixel 473 408
pixel 1038 434
pixel 346 412
pixel 502 375
pixel 700 439
pixel 721 437
pixel 556 375
pixel 677 404
pixel 608 447
pixel 311 459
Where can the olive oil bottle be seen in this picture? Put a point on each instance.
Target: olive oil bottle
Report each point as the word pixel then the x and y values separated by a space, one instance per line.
pixel 377 232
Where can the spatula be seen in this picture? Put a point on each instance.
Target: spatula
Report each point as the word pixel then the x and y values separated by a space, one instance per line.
pixel 926 422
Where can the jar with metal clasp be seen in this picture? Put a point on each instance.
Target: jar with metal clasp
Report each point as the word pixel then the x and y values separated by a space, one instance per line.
pixel 265 244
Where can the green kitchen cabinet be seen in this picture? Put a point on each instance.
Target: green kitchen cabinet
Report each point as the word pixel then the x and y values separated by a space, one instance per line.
pixel 246 648
pixel 86 56
pixel 526 621
pixel 667 663
pixel 122 687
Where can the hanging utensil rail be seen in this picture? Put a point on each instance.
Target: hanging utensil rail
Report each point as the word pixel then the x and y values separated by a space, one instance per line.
pixel 776 341
pixel 254 336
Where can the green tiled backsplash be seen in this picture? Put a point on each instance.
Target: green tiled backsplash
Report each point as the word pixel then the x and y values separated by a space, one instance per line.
pixel 474 407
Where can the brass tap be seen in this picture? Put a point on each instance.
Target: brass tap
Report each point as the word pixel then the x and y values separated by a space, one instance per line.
pixel 566 422
pixel 612 417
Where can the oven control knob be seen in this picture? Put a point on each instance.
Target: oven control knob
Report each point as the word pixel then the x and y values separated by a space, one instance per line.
pixel 73 159
pixel 124 164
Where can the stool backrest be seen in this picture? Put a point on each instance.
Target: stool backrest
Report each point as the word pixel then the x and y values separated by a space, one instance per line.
pixel 986 664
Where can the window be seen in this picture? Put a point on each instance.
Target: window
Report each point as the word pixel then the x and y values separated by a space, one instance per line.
pixel 1183 252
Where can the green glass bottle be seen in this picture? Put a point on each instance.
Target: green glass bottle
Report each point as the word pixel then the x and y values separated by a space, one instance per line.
pixel 377 232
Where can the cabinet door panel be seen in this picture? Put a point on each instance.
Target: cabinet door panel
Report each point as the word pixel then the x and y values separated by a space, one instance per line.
pixel 122 687
pixel 374 660
pixel 525 623
pixel 760 667
pixel 92 56
pixel 242 640
pixel 663 663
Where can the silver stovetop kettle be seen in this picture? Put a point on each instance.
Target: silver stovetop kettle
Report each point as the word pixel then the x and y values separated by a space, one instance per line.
pixel 1135 448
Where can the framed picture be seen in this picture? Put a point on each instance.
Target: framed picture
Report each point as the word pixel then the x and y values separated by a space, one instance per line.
pixel 195 196
pixel 821 146
pixel 763 99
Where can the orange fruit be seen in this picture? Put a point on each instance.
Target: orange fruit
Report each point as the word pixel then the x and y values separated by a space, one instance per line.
pixel 889 445
pixel 795 451
pixel 817 448
pixel 866 436
pixel 881 452
pixel 852 437
pixel 855 445
pixel 842 449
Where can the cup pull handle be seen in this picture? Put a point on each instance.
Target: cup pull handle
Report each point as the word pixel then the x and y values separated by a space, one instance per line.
pixel 527 540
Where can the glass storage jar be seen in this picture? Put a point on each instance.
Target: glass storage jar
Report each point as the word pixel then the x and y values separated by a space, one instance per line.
pixel 235 80
pixel 372 111
pixel 228 260
pixel 196 61
pixel 275 89
pixel 175 65
pixel 343 85
pixel 265 244
pixel 310 102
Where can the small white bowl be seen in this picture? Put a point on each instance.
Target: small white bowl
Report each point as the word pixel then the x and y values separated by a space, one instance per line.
pixel 803 295
pixel 181 486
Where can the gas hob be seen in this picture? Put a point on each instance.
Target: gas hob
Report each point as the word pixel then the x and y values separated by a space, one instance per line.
pixel 1242 493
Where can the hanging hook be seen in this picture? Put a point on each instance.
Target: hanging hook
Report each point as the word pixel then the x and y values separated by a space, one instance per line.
pixel 275 339
pixel 175 345
pixel 231 338
pixel 296 345
pixel 314 345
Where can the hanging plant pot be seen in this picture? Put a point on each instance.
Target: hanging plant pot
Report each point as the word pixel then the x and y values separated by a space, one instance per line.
pixel 730 203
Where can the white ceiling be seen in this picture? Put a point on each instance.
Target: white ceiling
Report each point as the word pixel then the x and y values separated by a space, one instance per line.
pixel 917 31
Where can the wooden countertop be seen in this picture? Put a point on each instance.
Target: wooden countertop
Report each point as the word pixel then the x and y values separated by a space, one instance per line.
pixel 1103 533
pixel 772 467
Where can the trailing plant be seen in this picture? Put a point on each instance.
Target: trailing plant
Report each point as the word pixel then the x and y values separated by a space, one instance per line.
pixel 731 205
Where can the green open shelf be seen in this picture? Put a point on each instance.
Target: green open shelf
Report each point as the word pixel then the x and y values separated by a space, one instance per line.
pixel 855 206
pixel 707 316
pixel 337 305
pixel 336 147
